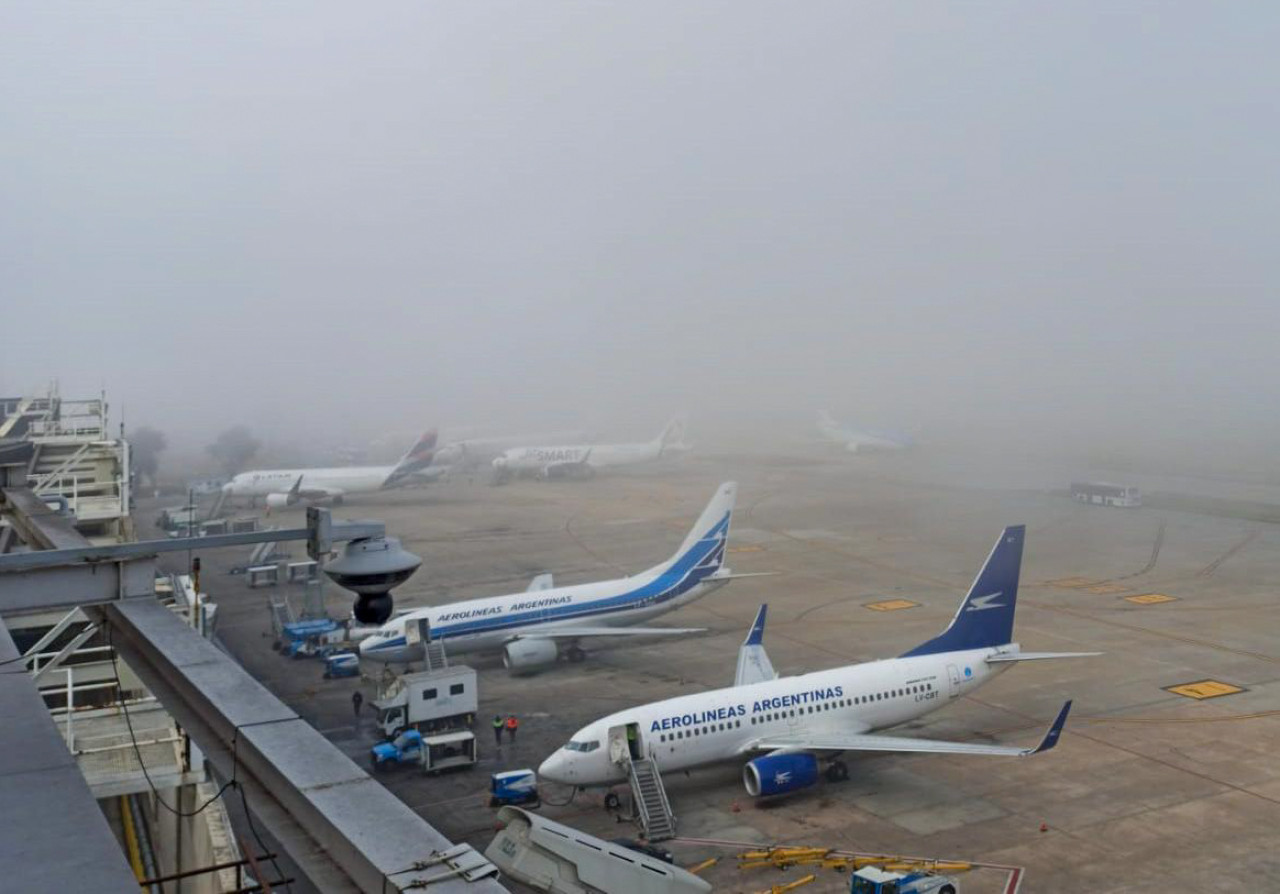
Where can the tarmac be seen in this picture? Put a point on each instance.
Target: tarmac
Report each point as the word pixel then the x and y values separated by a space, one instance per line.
pixel 1153 788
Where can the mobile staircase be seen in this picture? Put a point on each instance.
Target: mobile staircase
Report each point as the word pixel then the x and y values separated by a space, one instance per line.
pixel 650 799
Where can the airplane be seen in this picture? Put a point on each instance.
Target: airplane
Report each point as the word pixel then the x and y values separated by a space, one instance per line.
pixel 791 721
pixel 471 453
pixel 285 487
pixel 532 628
pixel 861 440
pixel 582 460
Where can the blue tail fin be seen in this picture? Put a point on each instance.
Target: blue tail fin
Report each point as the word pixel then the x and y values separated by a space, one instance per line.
pixel 985 618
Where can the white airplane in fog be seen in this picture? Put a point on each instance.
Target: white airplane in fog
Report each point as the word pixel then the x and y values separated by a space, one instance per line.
pixel 284 487
pixel 582 460
pixel 469 453
pixel 530 628
pixel 861 440
pixel 791 721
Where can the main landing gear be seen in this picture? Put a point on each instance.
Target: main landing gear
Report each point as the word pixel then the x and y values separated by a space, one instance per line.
pixel 575 654
pixel 837 771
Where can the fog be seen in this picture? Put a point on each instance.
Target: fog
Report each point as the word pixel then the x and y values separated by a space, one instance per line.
pixel 1046 226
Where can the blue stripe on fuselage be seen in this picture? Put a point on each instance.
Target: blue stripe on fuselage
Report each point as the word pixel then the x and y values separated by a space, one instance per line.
pixel 702 560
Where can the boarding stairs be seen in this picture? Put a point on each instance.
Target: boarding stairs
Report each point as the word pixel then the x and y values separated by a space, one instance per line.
pixel 650 798
pixel 434 654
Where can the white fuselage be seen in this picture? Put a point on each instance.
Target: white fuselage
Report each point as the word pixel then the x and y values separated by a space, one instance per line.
pixel 349 480
pixel 695 730
pixel 489 624
pixel 599 456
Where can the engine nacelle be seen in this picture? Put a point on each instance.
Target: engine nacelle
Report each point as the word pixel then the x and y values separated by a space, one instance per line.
pixel 525 656
pixel 279 501
pixel 776 774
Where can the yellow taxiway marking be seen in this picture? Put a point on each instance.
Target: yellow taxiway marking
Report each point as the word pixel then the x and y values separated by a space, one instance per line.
pixel 1150 598
pixel 1204 689
pixel 1070 583
pixel 890 605
pixel 753 548
pixel 1106 589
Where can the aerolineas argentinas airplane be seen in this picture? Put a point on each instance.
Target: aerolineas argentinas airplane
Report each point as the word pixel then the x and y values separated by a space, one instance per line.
pixel 530 628
pixel 284 487
pixel 582 460
pixel 791 721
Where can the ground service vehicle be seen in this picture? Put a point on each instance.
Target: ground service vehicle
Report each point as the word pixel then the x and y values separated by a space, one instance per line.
pixel 513 787
pixel 448 751
pixel 431 701
pixel 403 749
pixel 870 880
pixel 1102 494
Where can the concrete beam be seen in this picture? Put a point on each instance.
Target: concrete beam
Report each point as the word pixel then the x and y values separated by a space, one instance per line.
pixel 342 828
pixel 53 836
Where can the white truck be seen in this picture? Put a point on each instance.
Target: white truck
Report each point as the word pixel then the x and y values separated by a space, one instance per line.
pixel 429 701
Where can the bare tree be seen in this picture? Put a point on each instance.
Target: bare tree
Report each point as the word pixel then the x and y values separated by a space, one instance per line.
pixel 234 448
pixel 146 444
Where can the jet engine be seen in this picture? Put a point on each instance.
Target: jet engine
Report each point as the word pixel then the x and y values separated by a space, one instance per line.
pixel 776 774
pixel 525 656
pixel 280 501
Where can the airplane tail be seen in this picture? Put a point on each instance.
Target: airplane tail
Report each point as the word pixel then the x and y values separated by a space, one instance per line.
pixel 985 618
pixel 703 549
pixel 418 458
pixel 672 435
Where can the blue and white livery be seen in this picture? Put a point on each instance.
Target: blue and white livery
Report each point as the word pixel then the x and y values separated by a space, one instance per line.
pixel 792 721
pixel 530 628
pixel 857 440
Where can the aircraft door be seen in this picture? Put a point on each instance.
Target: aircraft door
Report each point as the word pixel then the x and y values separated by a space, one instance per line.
pixel 953 675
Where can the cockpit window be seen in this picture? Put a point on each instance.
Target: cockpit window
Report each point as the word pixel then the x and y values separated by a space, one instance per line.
pixel 581 746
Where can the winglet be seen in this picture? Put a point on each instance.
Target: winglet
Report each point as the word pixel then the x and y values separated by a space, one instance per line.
pixel 756 636
pixel 1055 731
pixel 753 662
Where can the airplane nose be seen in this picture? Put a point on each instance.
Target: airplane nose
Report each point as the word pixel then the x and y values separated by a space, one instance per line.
pixel 554 768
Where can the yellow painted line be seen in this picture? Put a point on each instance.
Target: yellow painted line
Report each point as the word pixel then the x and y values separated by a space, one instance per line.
pixel 753 548
pixel 1106 589
pixel 1150 598
pixel 1204 689
pixel 891 605
pixel 1070 583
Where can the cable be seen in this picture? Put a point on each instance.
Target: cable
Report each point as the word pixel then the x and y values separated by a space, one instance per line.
pixel 233 782
pixel 128 722
pixel 244 804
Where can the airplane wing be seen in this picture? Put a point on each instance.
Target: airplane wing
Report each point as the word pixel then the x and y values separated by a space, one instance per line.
pixel 870 742
pixel 584 632
pixel 544 581
pixel 754 665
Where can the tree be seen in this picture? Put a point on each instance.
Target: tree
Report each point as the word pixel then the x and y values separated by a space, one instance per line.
pixel 233 449
pixel 146 445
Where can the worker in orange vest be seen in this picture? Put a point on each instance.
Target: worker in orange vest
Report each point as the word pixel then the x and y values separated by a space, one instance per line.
pixel 512 726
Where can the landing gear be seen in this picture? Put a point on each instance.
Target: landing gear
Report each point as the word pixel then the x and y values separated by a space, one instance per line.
pixel 612 801
pixel 837 771
pixel 575 654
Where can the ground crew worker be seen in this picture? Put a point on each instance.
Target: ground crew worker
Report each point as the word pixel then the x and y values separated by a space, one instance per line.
pixel 512 725
pixel 497 730
pixel 632 748
pixel 356 701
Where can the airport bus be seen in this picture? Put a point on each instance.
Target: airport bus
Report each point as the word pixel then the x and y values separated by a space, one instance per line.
pixel 1103 494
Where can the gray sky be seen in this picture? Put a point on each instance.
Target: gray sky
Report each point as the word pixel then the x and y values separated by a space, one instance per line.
pixel 996 217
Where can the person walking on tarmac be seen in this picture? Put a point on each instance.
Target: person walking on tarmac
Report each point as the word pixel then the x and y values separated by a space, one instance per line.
pixel 497 730
pixel 356 701
pixel 512 726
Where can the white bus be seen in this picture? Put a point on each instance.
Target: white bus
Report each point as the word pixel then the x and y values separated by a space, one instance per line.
pixel 1103 494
